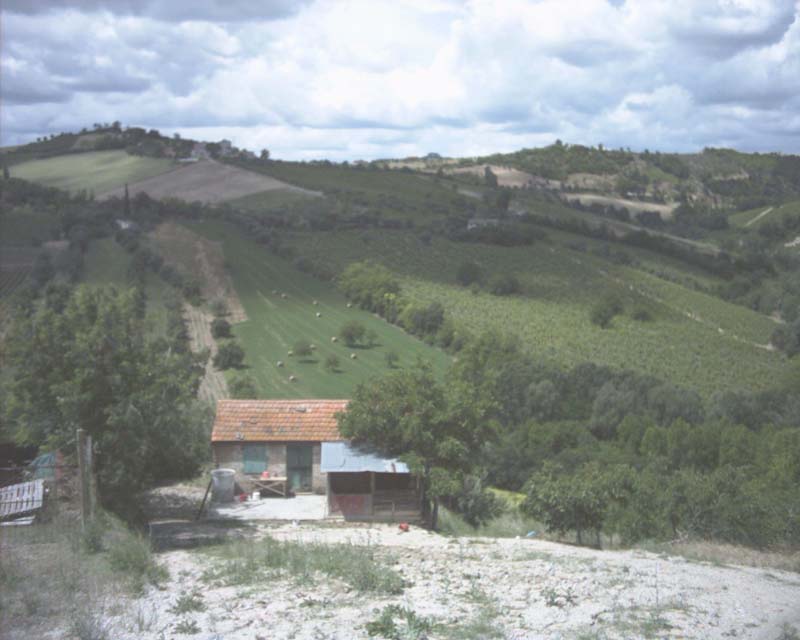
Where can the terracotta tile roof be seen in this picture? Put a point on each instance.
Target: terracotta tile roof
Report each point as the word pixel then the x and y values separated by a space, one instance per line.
pixel 277 420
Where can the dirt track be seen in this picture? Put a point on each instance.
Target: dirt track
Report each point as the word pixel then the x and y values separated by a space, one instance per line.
pixel 206 181
pixel 213 386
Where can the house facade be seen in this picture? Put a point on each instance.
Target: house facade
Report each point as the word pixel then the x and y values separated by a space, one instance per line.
pixel 282 437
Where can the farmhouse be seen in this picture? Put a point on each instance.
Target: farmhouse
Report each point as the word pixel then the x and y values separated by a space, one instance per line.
pixel 299 440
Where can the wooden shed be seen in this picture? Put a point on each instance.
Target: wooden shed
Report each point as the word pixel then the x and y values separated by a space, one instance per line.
pixel 366 486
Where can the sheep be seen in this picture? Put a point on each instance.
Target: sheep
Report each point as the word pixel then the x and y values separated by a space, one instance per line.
pixel 280 363
pixel 319 315
pixel 292 378
pixel 315 303
pixel 283 295
pixel 291 353
pixel 334 339
pixel 313 347
pixel 349 304
pixel 353 356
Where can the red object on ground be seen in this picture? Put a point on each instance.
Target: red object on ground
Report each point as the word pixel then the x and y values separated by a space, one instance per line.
pixel 242 497
pixel 404 526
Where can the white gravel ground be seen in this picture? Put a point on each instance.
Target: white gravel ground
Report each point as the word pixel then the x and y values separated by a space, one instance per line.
pixel 480 588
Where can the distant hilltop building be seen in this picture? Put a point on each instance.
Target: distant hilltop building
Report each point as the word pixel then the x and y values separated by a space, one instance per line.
pixel 481 223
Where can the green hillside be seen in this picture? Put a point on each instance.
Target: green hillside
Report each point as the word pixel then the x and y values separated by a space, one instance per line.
pixel 275 323
pixel 693 339
pixel 97 171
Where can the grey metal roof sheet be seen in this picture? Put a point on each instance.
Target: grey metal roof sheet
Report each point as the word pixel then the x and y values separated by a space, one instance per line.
pixel 343 457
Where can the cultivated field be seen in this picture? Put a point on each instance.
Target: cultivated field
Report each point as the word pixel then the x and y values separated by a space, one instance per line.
pixel 633 206
pixel 276 322
pixel 506 176
pixel 206 181
pixel 693 338
pixel 97 171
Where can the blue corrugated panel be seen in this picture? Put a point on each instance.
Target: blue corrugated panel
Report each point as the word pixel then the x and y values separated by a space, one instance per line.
pixel 341 457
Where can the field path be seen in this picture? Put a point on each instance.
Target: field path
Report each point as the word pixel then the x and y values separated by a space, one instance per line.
pixel 213 386
pixel 758 217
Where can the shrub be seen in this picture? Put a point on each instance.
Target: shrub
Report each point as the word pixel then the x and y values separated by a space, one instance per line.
pixel 504 285
pixel 468 273
pixel 392 359
pixel 332 363
pixel 242 387
pixel 352 332
pixel 219 308
pixel 642 314
pixel 132 555
pixel 302 349
pixel 229 356
pixel 604 311
pixel 220 328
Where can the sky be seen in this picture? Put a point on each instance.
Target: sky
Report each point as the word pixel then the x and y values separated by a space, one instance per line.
pixel 366 79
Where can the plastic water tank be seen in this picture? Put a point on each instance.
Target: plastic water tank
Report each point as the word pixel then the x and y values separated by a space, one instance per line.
pixel 222 482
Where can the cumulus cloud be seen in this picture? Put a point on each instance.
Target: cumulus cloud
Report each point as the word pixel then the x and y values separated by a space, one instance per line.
pixel 368 78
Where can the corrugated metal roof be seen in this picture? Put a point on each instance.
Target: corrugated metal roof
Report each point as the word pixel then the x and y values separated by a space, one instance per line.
pixel 341 457
pixel 277 420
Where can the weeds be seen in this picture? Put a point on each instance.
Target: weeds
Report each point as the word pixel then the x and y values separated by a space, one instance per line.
pixel 509 524
pixel 410 627
pixel 132 555
pixel 241 563
pixel 560 599
pixel 187 627
pixel 188 602
pixel 789 632
pixel 87 625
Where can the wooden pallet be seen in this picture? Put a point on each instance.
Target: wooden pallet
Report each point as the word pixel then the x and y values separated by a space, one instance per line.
pixel 19 499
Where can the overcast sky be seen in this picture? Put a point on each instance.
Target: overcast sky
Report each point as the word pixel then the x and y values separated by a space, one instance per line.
pixel 372 79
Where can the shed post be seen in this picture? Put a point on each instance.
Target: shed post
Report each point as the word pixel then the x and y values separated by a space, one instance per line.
pixel 372 493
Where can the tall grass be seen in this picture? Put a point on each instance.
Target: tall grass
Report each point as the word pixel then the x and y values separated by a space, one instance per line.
pixel 248 562
pixel 57 578
pixel 509 524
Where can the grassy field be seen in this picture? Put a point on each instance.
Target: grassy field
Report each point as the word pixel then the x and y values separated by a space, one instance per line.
pixel 275 323
pixel 97 171
pixel 693 338
pixel 751 219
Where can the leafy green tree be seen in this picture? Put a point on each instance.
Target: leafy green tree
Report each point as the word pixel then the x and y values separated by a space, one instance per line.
pixel 577 501
pixel 229 356
pixel 220 328
pixel 371 286
pixel 352 332
pixel 436 430
pixel 89 362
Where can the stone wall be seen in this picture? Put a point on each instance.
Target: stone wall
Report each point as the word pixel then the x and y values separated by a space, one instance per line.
pixel 228 455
